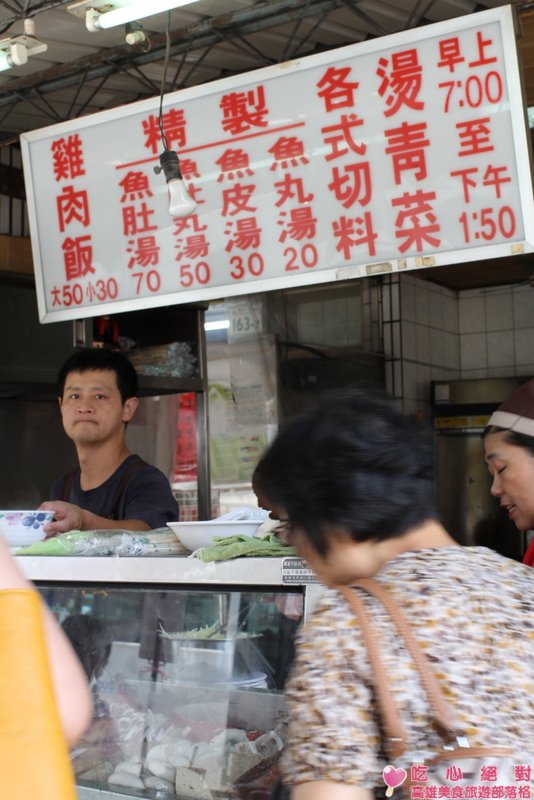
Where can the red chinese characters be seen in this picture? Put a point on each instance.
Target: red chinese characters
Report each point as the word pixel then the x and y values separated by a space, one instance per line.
pixel 244 110
pixel 482 180
pixel 401 87
pixel 487 785
pixel 139 224
pixel 401 81
pixel 296 217
pixel 191 241
pixel 174 131
pixel 242 231
pixel 67 156
pixel 351 180
pixel 74 220
pixel 139 229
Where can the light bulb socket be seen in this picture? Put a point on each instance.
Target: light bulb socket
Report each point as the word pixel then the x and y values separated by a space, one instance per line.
pixel 181 204
pixel 18 55
pixel 92 20
pixel 169 165
pixel 134 33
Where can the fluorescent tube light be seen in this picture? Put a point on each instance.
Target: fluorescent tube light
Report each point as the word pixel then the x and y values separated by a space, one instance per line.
pixel 97 21
pixel 217 325
pixel 5 63
pixel 16 56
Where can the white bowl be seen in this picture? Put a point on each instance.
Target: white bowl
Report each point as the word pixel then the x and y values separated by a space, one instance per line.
pixel 200 534
pixel 22 528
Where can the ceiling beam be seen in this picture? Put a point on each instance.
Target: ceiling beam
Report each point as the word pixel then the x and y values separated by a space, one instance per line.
pixel 206 33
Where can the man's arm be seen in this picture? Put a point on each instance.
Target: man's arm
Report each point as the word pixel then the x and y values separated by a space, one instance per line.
pixel 70 684
pixel 69 517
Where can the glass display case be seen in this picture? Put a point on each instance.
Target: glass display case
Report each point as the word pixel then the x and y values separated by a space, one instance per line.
pixel 187 663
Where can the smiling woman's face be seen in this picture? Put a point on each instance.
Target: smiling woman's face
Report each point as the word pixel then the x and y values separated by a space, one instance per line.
pixel 512 471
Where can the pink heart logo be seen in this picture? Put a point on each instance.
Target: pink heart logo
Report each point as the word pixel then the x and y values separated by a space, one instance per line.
pixel 394 777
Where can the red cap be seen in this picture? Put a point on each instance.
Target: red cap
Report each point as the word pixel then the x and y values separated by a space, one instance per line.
pixel 517 411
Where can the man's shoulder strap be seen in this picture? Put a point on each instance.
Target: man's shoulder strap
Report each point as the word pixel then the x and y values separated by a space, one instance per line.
pixel 135 464
pixel 65 486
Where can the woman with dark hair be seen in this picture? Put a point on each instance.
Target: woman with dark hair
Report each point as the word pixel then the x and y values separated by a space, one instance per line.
pixel 509 447
pixel 353 478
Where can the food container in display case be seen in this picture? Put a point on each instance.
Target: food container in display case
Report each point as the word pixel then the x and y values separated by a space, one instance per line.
pixel 187 663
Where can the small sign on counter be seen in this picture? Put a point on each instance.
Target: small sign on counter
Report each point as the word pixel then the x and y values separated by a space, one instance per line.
pixel 296 570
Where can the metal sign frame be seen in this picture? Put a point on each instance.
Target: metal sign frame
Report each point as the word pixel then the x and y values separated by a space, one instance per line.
pixel 329 209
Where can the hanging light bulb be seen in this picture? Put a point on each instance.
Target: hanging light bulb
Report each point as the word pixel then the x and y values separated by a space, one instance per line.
pixel 181 204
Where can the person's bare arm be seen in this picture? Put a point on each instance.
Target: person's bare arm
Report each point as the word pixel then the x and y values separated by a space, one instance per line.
pixel 69 517
pixel 71 688
pixel 329 790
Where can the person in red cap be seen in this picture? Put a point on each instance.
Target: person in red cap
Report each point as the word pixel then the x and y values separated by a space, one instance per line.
pixel 509 448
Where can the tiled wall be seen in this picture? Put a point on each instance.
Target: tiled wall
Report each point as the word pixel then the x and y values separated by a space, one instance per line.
pixel 433 333
pixel 420 338
pixel 496 327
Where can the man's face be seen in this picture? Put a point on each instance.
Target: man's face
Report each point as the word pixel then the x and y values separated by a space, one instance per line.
pixel 92 409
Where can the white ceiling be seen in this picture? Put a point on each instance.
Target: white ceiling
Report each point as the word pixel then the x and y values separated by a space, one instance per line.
pixel 83 72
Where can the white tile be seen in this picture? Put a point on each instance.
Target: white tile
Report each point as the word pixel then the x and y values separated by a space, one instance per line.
pixel 473 373
pixel 500 372
pixel 386 290
pixel 387 332
pixel 473 351
pixel 421 305
pixel 335 335
pixel 523 308
pixel 388 376
pixel 407 299
pixel 395 301
pixel 397 378
pixel 408 340
pixel 435 310
pixel 310 313
pixel 394 344
pixel 499 314
pixel 422 344
pixel 451 350
pixel 409 373
pixel 437 347
pixel 423 381
pixel 442 374
pixel 501 349
pixel 450 321
pixel 472 315
pixel 524 346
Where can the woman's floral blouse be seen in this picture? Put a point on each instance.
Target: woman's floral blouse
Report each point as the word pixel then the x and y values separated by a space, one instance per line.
pixel 472 612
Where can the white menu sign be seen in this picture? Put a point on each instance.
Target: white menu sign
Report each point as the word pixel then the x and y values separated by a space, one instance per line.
pixel 403 152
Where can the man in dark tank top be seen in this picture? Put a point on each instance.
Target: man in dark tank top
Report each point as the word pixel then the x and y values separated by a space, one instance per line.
pixel 111 487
